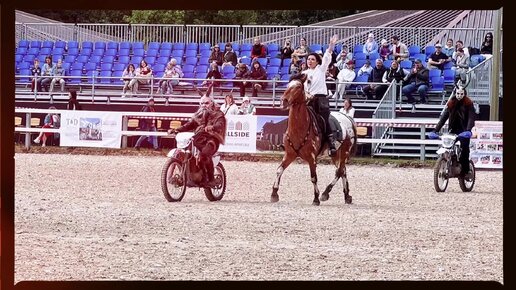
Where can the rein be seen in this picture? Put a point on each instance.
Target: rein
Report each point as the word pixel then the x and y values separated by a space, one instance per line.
pixel 295 103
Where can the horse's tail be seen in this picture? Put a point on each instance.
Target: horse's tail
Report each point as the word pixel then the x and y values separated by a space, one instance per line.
pixel 355 139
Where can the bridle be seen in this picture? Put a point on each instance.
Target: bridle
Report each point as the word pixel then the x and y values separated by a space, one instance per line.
pixel 297 102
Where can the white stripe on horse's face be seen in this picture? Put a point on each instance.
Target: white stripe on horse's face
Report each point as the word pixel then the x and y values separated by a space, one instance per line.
pixel 293 83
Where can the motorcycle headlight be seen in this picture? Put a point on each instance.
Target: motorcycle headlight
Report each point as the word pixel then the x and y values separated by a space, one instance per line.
pixel 448 140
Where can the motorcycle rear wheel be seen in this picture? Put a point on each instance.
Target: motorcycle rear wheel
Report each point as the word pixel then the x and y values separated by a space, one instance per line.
pixel 217 193
pixel 173 181
pixel 440 177
pixel 466 184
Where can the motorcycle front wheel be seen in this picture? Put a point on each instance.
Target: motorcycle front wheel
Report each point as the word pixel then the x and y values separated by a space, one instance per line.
pixel 216 193
pixel 173 181
pixel 466 184
pixel 440 175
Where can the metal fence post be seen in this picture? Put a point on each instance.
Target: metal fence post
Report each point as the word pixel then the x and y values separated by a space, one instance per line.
pixel 423 134
pixel 27 125
pixel 124 128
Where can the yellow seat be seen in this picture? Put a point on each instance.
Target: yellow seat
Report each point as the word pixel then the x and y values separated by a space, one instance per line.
pixel 35 122
pixel 175 124
pixel 17 121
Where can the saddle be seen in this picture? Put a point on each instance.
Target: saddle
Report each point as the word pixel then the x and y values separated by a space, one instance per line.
pixel 336 129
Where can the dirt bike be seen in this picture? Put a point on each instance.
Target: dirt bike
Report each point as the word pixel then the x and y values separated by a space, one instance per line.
pixel 448 166
pixel 181 170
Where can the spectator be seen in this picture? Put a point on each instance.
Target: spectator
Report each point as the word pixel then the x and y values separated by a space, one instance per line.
pixel 487 45
pixel 258 49
pixel 394 73
pixel 73 103
pixel 214 74
pixel 302 50
pixel 399 49
pixel 346 75
pixel 143 75
pixel 171 76
pixel 417 80
pixel 51 121
pixel 375 77
pixel 460 44
pixel 257 72
pixel 461 65
pixel 295 65
pixel 437 59
pixel 366 69
pixel 127 76
pixel 247 108
pixel 240 74
pixel 303 66
pixel 343 57
pixel 216 55
pixel 385 49
pixel 347 108
pixel 370 46
pixel 286 51
pixel 449 49
pixel 36 80
pixel 46 73
pixel 149 124
pixel 229 107
pixel 331 76
pixel 58 72
pixel 230 57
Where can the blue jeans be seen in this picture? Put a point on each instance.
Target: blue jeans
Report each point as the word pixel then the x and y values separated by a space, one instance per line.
pixel 152 139
pixel 411 88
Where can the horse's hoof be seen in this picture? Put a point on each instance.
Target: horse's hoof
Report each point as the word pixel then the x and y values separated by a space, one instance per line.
pixel 274 198
pixel 324 196
pixel 348 199
pixel 316 202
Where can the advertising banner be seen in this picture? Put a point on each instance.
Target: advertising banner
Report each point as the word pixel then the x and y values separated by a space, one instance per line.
pixel 240 134
pixel 91 129
pixel 487 145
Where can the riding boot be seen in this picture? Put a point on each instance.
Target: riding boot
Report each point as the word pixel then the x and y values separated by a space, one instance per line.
pixel 331 144
pixel 209 174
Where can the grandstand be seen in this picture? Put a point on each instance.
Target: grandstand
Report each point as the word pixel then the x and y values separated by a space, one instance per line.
pixel 95 55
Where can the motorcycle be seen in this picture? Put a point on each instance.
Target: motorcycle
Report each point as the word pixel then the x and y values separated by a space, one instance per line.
pixel 448 166
pixel 181 170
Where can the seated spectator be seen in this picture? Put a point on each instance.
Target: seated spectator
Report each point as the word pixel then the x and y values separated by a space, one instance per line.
pixel 229 107
pixel 170 78
pixel 385 49
pixel 295 65
pixel 346 75
pixel 36 80
pixel 343 58
pixel 73 103
pixel 213 74
pixel 417 80
pixel 331 76
pixel 143 75
pixel 216 55
pixel 370 46
pixel 46 73
pixel 286 51
pixel 437 59
pixel 487 44
pixel 461 65
pixel 127 76
pixel 366 69
pixel 230 57
pixel 241 74
pixel 347 108
pixel 459 44
pixel 302 50
pixel 247 108
pixel 258 49
pixel 449 49
pixel 257 72
pixel 58 72
pixel 394 73
pixel 51 121
pixel 375 77
pixel 303 66
pixel 399 49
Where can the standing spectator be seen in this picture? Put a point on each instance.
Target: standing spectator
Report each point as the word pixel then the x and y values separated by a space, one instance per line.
pixel 247 108
pixel 230 57
pixel 46 73
pixel 286 51
pixel 366 69
pixel 417 80
pixel 51 121
pixel 487 45
pixel 385 49
pixel 241 74
pixel 214 74
pixel 127 76
pixel 229 107
pixel 399 49
pixel 370 46
pixel 449 49
pixel 73 103
pixel 143 75
pixel 461 65
pixel 394 73
pixel 375 77
pixel 347 108
pixel 36 80
pixel 216 55
pixel 346 75
pixel 258 49
pixel 302 50
pixel 149 124
pixel 460 44
pixel 257 72
pixel 437 59
pixel 58 72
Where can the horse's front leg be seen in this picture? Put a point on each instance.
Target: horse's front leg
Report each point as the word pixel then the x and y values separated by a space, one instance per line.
pixel 347 198
pixel 313 175
pixel 326 193
pixel 287 159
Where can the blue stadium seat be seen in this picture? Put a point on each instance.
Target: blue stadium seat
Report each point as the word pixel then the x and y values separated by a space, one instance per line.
pixel 60 44
pixel 190 53
pixel 153 45
pixel 273 69
pixel 286 62
pixel 119 66
pixel 246 47
pixel 191 60
pixel 204 60
pixel 98 51
pixel 162 60
pixel 358 48
pixel 166 46
pixel 273 46
pixel 29 58
pixel 228 70
pixel 41 58
pixel 137 45
pixel 150 60
pixel 359 63
pixel 110 52
pixel 188 68
pixel 82 59
pixel 262 61
pixel 33 51
pixel 69 58
pixel 106 66
pixel 99 45
pixel 21 50
pixel 437 85
pixel 105 77
pixel 138 52
pixel 449 76
pixel 189 75
pixel 159 67
pixel 421 56
pixel 448 65
pixel 179 61
pixel 236 46
pixel 66 67
pixel 475 60
pixel 204 46
pixel 165 53
pixel 18 57
pixel 45 50
pixel 24 72
pixel 274 62
pixel 414 49
pixel 387 63
pixel 73 51
pixel 123 52
pixel 112 45
pixel 152 52
pixel 434 73
pixel 89 66
pixel 284 70
pixel 284 77
pixel 90 75
pixel 35 44
pixel 77 66
pixel 124 45
pixel 124 59
pixel 117 75
pixel 201 76
pixel 201 69
pixel 87 44
pixel 178 46
pixel 72 44
pixel 58 50
pixel 205 53
pixel 55 57
pixel 192 46
pixel 315 47
pixel 406 64
pixel 23 43
pixel 108 59
pixel 47 44
pixel 374 56
pixel 429 50
pixel 273 54
pixel 23 65
pixel 77 74
pixel 359 55
pixel 246 53
pixel 85 51
pixel 136 60
pixel 177 53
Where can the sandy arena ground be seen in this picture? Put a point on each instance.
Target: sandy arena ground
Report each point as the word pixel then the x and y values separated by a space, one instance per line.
pixel 85 217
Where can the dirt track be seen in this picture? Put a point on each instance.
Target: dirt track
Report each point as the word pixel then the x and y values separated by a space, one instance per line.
pixel 81 217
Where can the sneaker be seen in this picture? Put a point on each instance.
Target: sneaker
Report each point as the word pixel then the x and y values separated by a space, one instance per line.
pixel 123 96
pixel 43 145
pixel 36 140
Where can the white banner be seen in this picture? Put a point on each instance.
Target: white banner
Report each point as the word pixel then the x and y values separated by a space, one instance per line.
pixel 487 144
pixel 240 134
pixel 91 129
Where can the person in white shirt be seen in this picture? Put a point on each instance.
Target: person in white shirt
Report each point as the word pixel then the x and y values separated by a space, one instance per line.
pixel 346 75
pixel 315 85
pixel 229 107
pixel 347 108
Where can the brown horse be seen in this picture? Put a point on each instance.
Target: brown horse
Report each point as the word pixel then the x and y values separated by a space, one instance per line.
pixel 304 139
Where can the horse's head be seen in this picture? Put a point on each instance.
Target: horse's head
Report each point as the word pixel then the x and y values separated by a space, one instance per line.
pixel 295 92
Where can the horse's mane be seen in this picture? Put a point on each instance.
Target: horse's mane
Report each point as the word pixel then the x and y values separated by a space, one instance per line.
pixel 299 76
